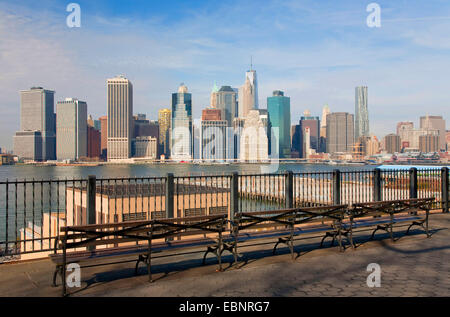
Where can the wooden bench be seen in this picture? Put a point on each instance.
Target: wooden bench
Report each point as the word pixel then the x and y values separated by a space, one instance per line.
pixel 142 238
pixel 383 215
pixel 284 225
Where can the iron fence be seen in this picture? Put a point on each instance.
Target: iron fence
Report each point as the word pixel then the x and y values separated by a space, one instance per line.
pixel 33 211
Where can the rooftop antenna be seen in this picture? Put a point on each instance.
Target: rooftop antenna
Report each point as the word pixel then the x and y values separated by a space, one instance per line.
pixel 251 62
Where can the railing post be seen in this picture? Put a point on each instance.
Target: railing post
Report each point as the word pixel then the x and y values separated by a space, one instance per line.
pixel 413 183
pixel 336 187
pixel 445 188
pixel 289 189
pixel 377 184
pixel 91 191
pixel 170 190
pixel 90 207
pixel 234 195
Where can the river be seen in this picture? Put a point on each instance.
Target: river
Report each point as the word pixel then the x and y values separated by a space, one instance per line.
pixel 30 172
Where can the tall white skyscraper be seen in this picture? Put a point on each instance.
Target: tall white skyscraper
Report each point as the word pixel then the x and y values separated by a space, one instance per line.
pixel 361 112
pixel 71 129
pixel 120 118
pixel 248 94
pixel 181 142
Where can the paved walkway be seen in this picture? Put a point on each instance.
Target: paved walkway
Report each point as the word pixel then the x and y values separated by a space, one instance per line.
pixel 412 266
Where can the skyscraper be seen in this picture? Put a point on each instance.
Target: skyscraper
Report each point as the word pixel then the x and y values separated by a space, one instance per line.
pixel 361 112
pixel 120 117
pixel 279 108
pixel 392 143
pixel 323 123
pixel 164 118
pixel 299 138
pixel 71 129
pixel 435 123
pixel 340 132
pixel 181 141
pixel 248 94
pixel 37 114
pixel 254 141
pixel 213 141
pixel 226 102
pixel 104 135
pixel 213 98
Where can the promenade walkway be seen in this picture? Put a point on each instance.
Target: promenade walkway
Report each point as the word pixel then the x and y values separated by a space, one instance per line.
pixel 412 266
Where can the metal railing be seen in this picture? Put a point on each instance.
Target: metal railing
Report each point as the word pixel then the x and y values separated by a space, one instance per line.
pixel 33 211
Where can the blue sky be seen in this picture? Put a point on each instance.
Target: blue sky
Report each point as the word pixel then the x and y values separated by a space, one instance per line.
pixel 315 51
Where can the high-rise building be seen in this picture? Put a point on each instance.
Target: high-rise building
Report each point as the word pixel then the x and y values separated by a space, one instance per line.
pixel 93 142
pixel 104 135
pixel 37 114
pixel 120 118
pixel 164 119
pixel 435 123
pixel 71 129
pixel 181 140
pixel 28 145
pixel 323 123
pixel 298 139
pixel 361 112
pixel 213 141
pixel 340 132
pixel 248 94
pixel 279 108
pixel 213 98
pixel 254 139
pixel 409 136
pixel 145 127
pixel 226 102
pixel 428 143
pixel 145 147
pixel 392 143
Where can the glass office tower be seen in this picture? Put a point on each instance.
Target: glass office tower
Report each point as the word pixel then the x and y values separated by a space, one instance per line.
pixel 279 108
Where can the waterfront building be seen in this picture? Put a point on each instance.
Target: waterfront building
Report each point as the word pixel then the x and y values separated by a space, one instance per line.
pixel 372 146
pixel 435 123
pixel 254 139
pixel 37 114
pixel 340 132
pixel 235 146
pixel 144 127
pixel 361 112
pixel 392 143
pixel 279 109
pixel 299 137
pixel 28 145
pixel 164 119
pixel 409 136
pixel 213 136
pixel 429 143
pixel 145 147
pixel 93 143
pixel 120 118
pixel 323 123
pixel 104 135
pixel 71 129
pixel 226 102
pixel 248 94
pixel 182 137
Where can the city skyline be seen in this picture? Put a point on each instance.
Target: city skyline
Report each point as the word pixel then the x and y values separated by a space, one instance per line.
pixel 400 62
